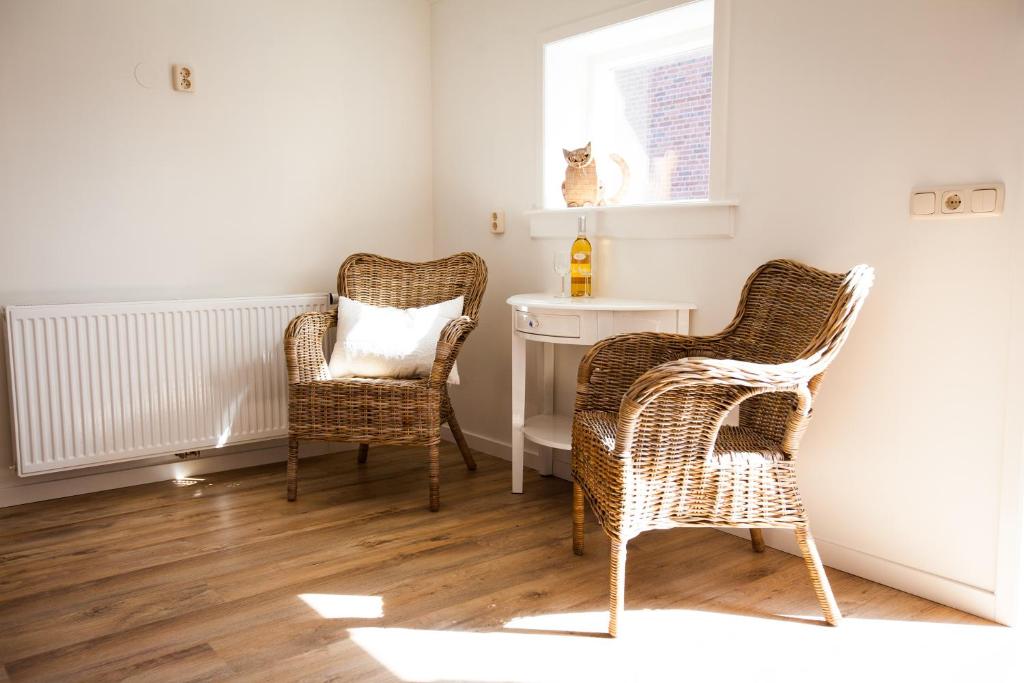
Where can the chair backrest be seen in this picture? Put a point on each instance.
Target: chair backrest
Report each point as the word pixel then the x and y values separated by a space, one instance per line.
pixel 790 312
pixel 383 281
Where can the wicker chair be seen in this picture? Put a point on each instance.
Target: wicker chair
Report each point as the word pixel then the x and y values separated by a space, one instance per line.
pixel 382 411
pixel 649 448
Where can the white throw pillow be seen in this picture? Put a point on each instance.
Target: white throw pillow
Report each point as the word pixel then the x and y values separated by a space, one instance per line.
pixel 381 341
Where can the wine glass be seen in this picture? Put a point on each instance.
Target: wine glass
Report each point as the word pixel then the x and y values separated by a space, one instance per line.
pixel 561 264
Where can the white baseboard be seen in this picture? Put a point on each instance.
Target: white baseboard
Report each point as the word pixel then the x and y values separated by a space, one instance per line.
pixel 933 587
pixel 918 582
pixel 28 491
pixel 50 487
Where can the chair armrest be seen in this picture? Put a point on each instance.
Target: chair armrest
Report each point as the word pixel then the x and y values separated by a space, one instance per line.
pixel 687 401
pixel 448 345
pixel 612 365
pixel 304 346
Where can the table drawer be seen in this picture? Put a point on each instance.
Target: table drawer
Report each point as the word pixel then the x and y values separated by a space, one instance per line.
pixel 548 324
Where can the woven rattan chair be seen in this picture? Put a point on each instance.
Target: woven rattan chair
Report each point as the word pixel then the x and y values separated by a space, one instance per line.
pixel 382 411
pixel 649 448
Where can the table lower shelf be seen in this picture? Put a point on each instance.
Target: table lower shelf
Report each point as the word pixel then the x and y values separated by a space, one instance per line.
pixel 554 431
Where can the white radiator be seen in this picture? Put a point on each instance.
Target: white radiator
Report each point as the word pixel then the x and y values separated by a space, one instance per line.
pixel 99 383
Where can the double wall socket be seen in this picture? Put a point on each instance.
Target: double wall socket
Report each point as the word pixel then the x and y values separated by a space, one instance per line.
pixel 497 222
pixel 182 78
pixel 958 201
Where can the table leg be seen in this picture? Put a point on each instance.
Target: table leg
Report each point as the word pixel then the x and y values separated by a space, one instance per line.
pixel 545 466
pixel 518 409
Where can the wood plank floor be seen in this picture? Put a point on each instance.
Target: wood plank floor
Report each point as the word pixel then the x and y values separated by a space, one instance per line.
pixel 226 580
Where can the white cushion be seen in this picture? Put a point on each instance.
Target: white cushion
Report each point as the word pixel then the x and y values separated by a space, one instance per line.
pixel 381 341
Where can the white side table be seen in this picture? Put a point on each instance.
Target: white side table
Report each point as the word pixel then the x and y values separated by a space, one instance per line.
pixel 580 321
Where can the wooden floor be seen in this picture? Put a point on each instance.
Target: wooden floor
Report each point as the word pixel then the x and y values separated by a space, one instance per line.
pixel 225 580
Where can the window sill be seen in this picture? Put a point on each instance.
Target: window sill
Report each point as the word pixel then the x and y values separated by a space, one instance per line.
pixel 701 219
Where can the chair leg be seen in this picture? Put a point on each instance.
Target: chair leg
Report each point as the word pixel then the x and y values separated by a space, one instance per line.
pixel 434 463
pixel 818 579
pixel 364 450
pixel 757 540
pixel 460 439
pixel 293 468
pixel 577 518
pixel 616 586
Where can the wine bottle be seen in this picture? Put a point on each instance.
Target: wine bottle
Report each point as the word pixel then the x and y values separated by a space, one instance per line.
pixel 581 261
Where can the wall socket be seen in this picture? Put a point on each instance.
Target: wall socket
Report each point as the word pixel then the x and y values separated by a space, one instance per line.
pixel 952 202
pixel 497 222
pixel 181 78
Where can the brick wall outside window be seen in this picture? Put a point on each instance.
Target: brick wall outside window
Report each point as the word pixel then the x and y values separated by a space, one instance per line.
pixel 668 105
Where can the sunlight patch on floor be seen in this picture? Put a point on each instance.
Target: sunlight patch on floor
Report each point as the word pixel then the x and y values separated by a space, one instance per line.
pixel 693 645
pixel 333 606
pixel 420 655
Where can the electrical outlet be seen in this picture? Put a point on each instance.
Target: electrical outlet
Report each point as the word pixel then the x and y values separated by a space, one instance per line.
pixel 182 78
pixel 952 202
pixel 497 222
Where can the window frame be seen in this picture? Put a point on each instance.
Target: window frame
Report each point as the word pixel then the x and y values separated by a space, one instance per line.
pixel 719 97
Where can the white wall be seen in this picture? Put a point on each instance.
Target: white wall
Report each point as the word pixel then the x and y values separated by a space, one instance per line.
pixel 837 110
pixel 308 138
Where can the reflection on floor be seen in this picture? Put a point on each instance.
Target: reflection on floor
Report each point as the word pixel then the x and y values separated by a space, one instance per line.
pixel 358 581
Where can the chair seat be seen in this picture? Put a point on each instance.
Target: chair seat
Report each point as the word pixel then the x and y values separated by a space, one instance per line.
pixel 746 480
pixel 377 411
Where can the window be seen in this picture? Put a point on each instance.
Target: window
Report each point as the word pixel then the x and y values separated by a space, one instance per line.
pixel 640 89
